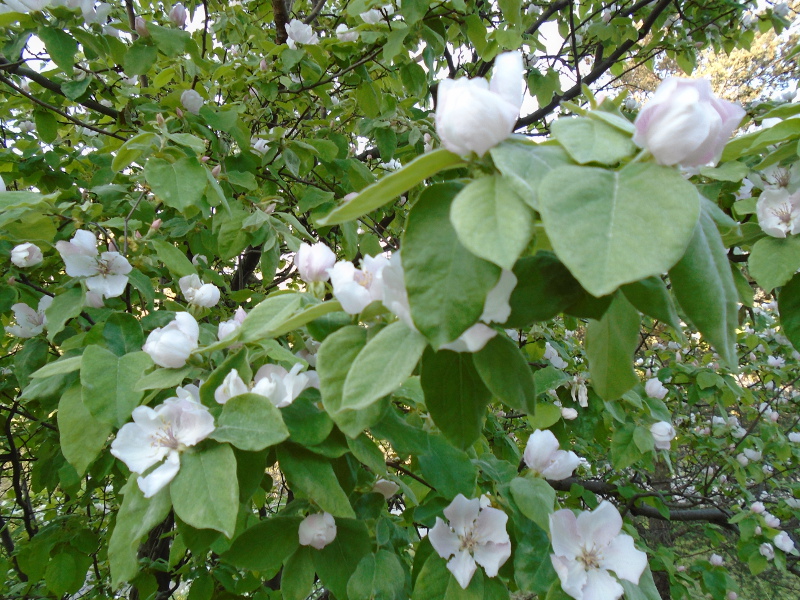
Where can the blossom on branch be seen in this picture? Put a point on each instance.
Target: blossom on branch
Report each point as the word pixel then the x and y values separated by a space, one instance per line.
pixel 544 457
pixel 161 433
pixel 172 345
pixel 474 536
pixel 30 323
pixel 313 262
pixel 590 545
pixel 299 33
pixel 26 255
pixel 198 293
pixel 317 530
pixel 105 273
pixel 356 289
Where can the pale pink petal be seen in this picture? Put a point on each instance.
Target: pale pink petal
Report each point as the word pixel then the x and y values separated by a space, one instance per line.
pixel 564 463
pixel 572 575
pixel 491 556
pixel 564 533
pixel 462 513
pixel 601 586
pixel 601 525
pixel 490 526
pixel 539 450
pixel 622 557
pixel 463 567
pixel 507 78
pixel 443 540
pixel 110 286
pixel 134 446
pixel 154 481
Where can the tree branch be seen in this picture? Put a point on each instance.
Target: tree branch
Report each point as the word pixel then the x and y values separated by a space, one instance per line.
pixel 314 12
pixel 281 20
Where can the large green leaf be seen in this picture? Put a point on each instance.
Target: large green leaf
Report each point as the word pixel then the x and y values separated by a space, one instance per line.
pixel 455 395
pixel 297 578
pixel 313 476
pixel 109 383
pixel 592 141
pixel 180 184
pixel 651 297
pixel 447 284
pixel 82 436
pixel 269 315
pixel 704 286
pixel 506 373
pixel 205 492
pixel 135 518
pixel 614 227
pixel 65 306
pixel 382 366
pixel 265 545
pixel 610 344
pixel 250 422
pixel 535 499
pixel 173 258
pixel 789 310
pixel 447 468
pixel 525 164
pixel 492 221
pixel 61 47
pixel 123 333
pixel 388 188
pixel 337 561
pixel 380 576
pixel 773 261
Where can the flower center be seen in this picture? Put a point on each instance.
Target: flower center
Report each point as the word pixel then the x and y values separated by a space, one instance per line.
pixel 467 542
pixel 784 213
pixel 782 177
pixel 363 278
pixel 590 557
pixel 166 438
pixel 103 268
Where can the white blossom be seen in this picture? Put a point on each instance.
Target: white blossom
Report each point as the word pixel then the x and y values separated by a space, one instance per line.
pixel 783 542
pixel 776 361
pixel 313 262
pixel 177 15
pixel 192 101
pixel 715 560
pixel 231 386
pixel 590 545
pixel 473 115
pixel 229 327
pixel 355 288
pixel 376 15
pixel 569 414
pixel 161 433
pixel 282 387
pixel 771 520
pixel 544 457
pixel 474 536
pixel 170 346
pixel 579 392
pixel 385 487
pixel 30 323
pixel 198 293
pixel 778 212
pixel 317 530
pixel 757 507
pixel 551 354
pixel 655 389
pixel 26 255
pixel 300 33
pixel 663 433
pixel 794 437
pixel 105 273
pixel 346 35
pixel 766 550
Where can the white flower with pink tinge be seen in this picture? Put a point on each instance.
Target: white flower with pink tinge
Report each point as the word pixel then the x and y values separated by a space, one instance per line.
pixel 475 536
pixel 105 273
pixel 543 456
pixel 162 433
pixel 590 545
pixel 355 288
pixel 30 323
pixel 280 386
pixel 317 530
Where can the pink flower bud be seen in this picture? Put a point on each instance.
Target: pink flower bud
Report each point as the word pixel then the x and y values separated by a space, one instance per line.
pixel 216 171
pixel 178 15
pixel 156 225
pixel 263 64
pixel 140 25
pixel 205 159
pixel 685 124
pixel 179 112
pixel 160 120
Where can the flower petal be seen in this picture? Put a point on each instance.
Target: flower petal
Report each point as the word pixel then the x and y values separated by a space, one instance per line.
pixel 110 286
pixel 622 557
pixel 601 586
pixel 564 533
pixel 463 567
pixel 462 513
pixel 160 476
pixel 491 556
pixel 443 540
pixel 572 575
pixel 490 526
pixel 601 525
pixel 134 446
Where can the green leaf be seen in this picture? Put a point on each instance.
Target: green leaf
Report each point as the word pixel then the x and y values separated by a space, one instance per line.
pixel 506 373
pixel 511 11
pixel 304 317
pixel 773 261
pixel 624 450
pixel 173 258
pixel 492 221
pixel 139 58
pixel 789 310
pixel 62 575
pixel 387 188
pixel 109 380
pixel 313 476
pixel 545 415
pixel 135 518
pixel 387 142
pixel 58 367
pixel 610 345
pixel 132 149
pixel 46 125
pixel 297 578
pixel 447 284
pixel 123 333
pixel 161 379
pixel 269 315
pixel 525 164
pixel 645 590
pixel 65 306
pixel 592 141
pixel 382 366
pixel 535 498
pixel 307 424
pixel 265 545
pixel 334 359
pixel 75 89
pixel 337 561
pixel 379 576
pixel 651 297
pixel 250 422
pixel 545 287
pixel 447 468
pixel 435 582
pixel 169 40
pixel 455 395
pixel 705 290
pixel 82 436
pixel 205 492
pixel 190 141
pixel 60 46
pixel 615 227
pixel 180 184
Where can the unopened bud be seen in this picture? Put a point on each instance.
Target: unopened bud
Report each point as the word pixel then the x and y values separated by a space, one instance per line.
pixel 253 93
pixel 178 15
pixel 140 25
pixel 179 112
pixel 11 280
pixel 156 225
pixel 205 159
pixel 263 64
pixel 137 235
pixel 160 120
pixel 369 156
pixel 216 171
pixel 112 247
